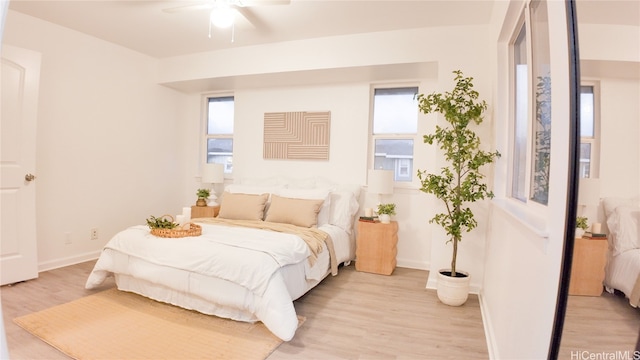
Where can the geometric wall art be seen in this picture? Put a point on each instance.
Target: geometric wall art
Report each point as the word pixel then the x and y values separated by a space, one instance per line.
pixel 302 135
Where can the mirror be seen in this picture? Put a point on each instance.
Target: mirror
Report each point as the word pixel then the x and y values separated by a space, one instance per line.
pixel 608 31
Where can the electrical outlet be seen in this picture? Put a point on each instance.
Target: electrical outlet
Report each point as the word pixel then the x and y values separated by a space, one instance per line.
pixel 94 234
pixel 67 238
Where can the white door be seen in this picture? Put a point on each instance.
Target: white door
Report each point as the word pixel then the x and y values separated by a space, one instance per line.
pixel 20 77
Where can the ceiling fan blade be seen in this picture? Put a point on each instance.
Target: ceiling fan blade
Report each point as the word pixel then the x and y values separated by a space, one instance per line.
pixel 192 7
pixel 252 18
pixel 249 3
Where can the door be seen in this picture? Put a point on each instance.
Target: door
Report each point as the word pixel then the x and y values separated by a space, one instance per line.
pixel 20 76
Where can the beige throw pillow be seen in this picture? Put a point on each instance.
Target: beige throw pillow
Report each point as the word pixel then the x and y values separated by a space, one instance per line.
pixel 299 212
pixel 242 206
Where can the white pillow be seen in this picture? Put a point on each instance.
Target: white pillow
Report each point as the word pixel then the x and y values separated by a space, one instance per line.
pixel 311 194
pixel 301 183
pixel 624 229
pixel 272 181
pixel 611 203
pixel 251 189
pixel 344 207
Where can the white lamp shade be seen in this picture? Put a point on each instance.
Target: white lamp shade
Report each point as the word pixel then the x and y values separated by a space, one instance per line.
pixel 380 181
pixel 589 192
pixel 213 174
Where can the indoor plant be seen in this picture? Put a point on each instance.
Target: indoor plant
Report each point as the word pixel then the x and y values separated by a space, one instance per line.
pixel 459 181
pixel 385 211
pixel 203 195
pixel 581 225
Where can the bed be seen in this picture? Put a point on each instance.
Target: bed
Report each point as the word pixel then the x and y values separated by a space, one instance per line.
pixel 269 245
pixel 622 271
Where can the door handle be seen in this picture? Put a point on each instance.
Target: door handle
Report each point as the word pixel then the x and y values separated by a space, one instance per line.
pixel 29 177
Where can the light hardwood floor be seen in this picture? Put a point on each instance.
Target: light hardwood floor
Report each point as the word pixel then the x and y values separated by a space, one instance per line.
pixel 604 324
pixel 354 315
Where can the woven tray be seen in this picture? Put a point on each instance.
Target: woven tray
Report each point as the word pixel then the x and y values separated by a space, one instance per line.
pixel 189 229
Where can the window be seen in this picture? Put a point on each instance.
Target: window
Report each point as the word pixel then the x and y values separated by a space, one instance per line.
pixel 542 102
pixel 521 85
pixel 395 127
pixel 219 135
pixel 531 124
pixel 589 120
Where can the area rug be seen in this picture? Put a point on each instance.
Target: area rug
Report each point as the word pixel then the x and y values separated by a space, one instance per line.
pixel 119 325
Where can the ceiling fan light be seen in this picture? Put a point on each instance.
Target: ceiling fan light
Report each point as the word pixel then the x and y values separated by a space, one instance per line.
pixel 223 16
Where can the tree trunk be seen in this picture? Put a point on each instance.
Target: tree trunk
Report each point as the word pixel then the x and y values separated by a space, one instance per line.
pixel 453 258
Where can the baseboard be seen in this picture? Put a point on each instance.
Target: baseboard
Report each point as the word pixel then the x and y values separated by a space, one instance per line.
pixel 72 260
pixel 492 347
pixel 409 264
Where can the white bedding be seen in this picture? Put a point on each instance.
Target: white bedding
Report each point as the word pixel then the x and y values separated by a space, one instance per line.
pixel 238 273
pixel 622 271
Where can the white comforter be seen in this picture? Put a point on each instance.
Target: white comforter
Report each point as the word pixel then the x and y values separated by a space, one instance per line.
pixel 246 257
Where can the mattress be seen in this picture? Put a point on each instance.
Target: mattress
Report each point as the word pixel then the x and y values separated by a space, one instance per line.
pixel 271 303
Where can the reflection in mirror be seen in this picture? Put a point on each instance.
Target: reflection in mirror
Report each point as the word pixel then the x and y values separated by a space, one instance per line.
pixel 603 322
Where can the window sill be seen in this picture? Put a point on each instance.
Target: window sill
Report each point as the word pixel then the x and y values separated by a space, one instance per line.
pixel 523 216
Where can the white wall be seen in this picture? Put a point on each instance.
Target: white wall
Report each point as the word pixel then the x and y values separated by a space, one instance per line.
pixel 348 99
pixel 109 140
pixel 114 147
pixel 520 285
pixel 620 126
pixel 524 247
pixel 615 65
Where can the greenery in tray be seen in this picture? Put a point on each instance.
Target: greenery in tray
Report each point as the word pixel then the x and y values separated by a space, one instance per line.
pixel 389 209
pixel 203 193
pixel 160 223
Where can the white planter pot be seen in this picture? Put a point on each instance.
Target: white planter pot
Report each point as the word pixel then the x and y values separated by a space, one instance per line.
pixel 579 233
pixel 385 218
pixel 453 291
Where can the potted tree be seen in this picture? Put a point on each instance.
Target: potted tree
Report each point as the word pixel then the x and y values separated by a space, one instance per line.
pixel 460 181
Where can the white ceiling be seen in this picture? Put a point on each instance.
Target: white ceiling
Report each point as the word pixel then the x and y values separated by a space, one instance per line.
pixel 143 26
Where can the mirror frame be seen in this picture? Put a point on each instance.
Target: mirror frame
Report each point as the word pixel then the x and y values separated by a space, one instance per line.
pixel 572 184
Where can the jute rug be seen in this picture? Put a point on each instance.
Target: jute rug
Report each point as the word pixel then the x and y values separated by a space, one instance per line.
pixel 119 325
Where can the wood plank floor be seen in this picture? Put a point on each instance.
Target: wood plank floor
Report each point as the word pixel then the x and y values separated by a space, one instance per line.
pixel 355 315
pixel 604 324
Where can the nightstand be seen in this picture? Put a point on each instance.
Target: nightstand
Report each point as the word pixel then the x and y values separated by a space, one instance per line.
pixel 204 211
pixel 376 247
pixel 587 269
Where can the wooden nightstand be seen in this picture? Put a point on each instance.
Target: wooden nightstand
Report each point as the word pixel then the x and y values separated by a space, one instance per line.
pixel 376 247
pixel 587 269
pixel 204 211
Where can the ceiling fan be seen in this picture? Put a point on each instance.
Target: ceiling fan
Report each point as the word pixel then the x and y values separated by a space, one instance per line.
pixel 223 12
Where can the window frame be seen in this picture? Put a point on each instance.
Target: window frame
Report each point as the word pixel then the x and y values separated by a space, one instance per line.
pixel 528 201
pixel 415 137
pixel 594 170
pixel 228 168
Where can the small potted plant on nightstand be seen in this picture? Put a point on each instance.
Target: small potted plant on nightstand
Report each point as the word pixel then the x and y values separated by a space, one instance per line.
pixel 581 226
pixel 385 211
pixel 203 195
